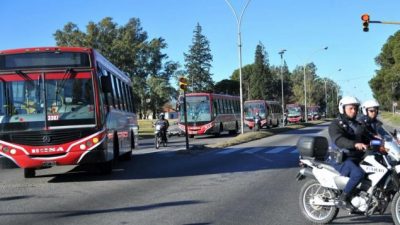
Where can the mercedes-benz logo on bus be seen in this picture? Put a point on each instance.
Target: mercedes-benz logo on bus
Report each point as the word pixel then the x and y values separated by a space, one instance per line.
pixel 46 139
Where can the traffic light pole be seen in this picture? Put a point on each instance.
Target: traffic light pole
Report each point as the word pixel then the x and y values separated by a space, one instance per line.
pixel 185 114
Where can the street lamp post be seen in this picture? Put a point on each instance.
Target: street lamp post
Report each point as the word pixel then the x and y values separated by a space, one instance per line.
pixel 326 100
pixel 239 22
pixel 305 86
pixel 283 100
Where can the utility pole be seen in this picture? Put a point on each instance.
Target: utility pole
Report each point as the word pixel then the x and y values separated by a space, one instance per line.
pixel 283 99
pixel 238 23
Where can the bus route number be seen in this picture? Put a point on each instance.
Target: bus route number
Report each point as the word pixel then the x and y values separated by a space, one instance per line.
pixel 53 117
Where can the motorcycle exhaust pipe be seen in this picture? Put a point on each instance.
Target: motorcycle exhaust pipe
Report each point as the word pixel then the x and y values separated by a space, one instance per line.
pixel 305 172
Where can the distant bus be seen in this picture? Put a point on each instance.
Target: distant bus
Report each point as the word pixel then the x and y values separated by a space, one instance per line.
pixel 64 106
pixel 295 113
pixel 269 111
pixel 314 113
pixel 209 113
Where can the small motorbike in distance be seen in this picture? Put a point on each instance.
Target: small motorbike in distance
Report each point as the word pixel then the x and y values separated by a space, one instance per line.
pixel 158 135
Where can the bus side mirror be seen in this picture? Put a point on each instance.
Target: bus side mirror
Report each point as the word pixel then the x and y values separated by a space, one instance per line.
pixel 106 84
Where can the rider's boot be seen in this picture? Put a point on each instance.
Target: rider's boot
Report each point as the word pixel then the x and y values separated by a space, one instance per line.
pixel 341 201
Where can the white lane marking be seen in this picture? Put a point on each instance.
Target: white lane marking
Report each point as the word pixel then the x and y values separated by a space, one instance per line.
pixel 254 150
pixel 277 149
pixel 230 150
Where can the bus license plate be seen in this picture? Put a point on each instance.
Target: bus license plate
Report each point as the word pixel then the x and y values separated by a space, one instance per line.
pixel 49 163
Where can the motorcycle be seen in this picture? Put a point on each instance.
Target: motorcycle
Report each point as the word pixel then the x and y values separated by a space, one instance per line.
pixel 285 119
pixel 257 123
pixel 158 133
pixel 379 188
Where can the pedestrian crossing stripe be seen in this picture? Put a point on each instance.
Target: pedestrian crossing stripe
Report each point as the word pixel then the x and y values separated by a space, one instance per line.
pixel 267 150
pixel 253 150
pixel 229 150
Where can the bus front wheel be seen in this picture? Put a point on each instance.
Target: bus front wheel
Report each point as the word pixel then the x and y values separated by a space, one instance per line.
pixel 29 172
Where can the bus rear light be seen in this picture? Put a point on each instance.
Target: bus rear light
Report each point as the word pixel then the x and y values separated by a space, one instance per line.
pixel 13 151
pixel 5 149
pixel 82 146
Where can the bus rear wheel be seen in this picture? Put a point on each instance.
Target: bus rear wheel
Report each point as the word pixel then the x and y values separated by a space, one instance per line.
pixel 29 172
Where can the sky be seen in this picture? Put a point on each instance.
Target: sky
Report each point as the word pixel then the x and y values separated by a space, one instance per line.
pixel 302 27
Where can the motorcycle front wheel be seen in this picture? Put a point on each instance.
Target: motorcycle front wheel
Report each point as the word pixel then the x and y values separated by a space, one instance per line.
pixel 396 208
pixel 157 141
pixel 317 214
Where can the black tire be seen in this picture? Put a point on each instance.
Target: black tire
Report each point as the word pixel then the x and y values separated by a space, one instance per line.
pixel 308 210
pixel 191 135
pixel 157 142
pixel 395 208
pixel 116 148
pixel 106 167
pixel 221 128
pixel 29 172
pixel 128 156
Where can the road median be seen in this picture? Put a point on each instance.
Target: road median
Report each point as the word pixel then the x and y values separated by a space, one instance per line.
pixel 251 136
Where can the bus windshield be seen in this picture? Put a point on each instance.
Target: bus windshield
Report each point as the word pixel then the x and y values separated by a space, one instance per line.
pixel 67 102
pixel 252 108
pixel 295 111
pixel 198 109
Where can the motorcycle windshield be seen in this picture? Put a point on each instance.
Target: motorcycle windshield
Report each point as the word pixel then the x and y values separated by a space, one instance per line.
pixel 26 102
pixel 252 108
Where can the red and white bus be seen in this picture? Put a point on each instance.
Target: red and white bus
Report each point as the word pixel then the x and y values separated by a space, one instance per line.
pixel 269 111
pixel 209 113
pixel 295 113
pixel 64 106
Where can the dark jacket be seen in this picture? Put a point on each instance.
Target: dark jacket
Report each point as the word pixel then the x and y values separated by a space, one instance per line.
pixel 345 133
pixel 372 126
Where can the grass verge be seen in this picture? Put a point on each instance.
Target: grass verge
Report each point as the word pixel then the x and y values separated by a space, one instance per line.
pixel 393 119
pixel 251 136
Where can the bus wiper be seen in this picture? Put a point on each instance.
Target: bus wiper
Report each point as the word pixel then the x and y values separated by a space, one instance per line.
pixel 60 86
pixel 23 75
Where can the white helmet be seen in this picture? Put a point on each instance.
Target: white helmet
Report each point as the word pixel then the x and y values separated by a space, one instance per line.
pixel 347 100
pixel 369 104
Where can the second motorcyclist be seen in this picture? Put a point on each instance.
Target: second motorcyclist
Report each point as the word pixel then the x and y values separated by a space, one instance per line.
pixel 348 133
pixel 370 109
pixel 164 126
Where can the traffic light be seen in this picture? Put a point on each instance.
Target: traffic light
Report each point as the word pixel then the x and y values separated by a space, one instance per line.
pixel 365 19
pixel 183 83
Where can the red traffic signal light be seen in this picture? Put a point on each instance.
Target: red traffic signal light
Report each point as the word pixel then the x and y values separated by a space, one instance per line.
pixel 365 18
pixel 183 83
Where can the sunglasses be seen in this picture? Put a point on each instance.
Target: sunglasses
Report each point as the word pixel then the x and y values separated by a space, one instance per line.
pixel 372 110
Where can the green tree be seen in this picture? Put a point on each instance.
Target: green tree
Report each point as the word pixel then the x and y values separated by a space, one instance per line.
pixel 385 84
pixel 198 62
pixel 287 82
pixel 230 87
pixel 262 82
pixel 247 70
pixel 129 49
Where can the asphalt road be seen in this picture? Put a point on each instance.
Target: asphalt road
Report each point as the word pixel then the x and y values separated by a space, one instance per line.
pixel 252 183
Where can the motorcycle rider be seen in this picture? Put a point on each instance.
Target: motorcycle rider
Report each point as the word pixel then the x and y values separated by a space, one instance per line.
pixel 257 119
pixel 164 126
pixel 370 109
pixel 348 133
